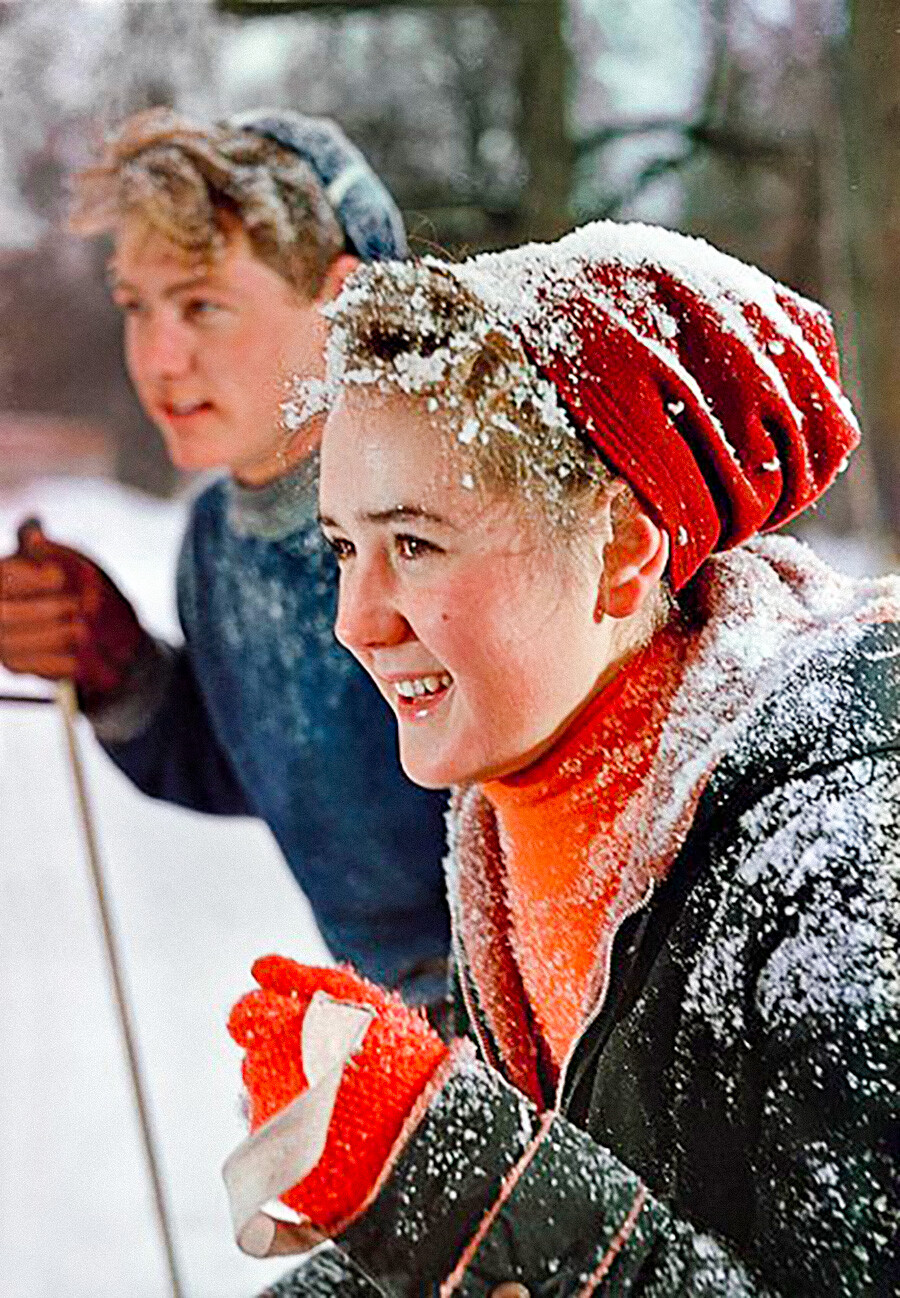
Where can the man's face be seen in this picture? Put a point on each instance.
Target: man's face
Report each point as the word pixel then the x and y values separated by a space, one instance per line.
pixel 211 349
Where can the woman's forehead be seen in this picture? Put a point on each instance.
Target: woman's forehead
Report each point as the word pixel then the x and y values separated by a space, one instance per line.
pixel 381 451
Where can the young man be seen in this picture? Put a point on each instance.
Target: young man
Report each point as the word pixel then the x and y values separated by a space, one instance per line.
pixel 227 242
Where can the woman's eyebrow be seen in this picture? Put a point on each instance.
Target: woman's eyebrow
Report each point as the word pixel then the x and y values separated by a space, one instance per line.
pixel 401 513
pixel 396 514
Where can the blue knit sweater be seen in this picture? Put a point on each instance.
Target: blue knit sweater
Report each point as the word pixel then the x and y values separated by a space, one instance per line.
pixel 262 713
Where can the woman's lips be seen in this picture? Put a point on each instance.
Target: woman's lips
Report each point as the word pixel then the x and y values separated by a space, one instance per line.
pixel 418 697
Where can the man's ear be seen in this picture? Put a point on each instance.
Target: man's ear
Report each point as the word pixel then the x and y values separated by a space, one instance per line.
pixel 634 559
pixel 335 275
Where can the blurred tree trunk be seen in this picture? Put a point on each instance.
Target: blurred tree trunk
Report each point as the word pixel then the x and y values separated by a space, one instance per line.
pixel 872 99
pixel 543 130
pixel 538 30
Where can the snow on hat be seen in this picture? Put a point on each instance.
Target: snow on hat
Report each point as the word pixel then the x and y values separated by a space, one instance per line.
pixel 711 389
pixel 365 210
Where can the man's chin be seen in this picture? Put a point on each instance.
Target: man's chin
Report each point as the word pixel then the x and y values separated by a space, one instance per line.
pixel 190 455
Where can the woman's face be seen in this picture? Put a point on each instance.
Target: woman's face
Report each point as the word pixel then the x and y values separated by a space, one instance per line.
pixel 478 631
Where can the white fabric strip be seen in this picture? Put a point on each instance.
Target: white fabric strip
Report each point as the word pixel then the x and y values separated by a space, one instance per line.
pixel 287 1147
pixel 344 181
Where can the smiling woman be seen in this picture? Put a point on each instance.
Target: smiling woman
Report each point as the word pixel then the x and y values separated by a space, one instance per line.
pixel 676 752
pixel 417 578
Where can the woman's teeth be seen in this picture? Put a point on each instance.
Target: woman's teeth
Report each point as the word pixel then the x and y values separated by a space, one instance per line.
pixel 421 685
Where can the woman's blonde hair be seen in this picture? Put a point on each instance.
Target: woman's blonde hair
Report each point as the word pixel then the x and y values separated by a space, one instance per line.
pixel 417 328
pixel 191 183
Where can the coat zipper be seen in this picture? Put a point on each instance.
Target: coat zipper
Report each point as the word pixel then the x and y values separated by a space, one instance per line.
pixel 601 999
pixel 464 983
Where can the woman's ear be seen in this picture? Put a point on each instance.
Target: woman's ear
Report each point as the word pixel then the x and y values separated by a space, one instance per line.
pixel 634 559
pixel 335 275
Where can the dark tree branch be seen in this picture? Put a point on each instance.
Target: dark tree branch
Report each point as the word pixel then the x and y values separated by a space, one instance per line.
pixel 778 154
pixel 707 130
pixel 715 95
pixel 653 171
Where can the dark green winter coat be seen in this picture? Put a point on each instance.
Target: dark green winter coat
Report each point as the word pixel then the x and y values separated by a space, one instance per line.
pixel 727 1121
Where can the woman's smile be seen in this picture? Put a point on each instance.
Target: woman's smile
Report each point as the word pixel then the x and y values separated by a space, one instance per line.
pixel 416 698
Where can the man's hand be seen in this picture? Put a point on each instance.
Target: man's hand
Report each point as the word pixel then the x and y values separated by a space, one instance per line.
pixel 62 618
pixel 377 1094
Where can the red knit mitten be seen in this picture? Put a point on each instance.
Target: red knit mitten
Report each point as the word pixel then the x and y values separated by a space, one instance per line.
pixel 380 1086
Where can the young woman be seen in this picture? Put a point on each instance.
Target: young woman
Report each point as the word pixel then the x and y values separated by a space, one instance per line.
pixel 676 752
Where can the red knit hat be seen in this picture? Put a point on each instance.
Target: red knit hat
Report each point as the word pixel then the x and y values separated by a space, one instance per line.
pixel 712 389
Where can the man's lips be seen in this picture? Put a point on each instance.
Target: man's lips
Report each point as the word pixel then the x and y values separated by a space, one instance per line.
pixel 181 410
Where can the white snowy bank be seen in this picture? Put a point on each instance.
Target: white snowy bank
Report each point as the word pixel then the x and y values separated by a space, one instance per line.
pixel 196 899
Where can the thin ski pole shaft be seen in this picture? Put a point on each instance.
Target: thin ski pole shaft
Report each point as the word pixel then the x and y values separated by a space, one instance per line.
pixel 68 706
pixel 27 698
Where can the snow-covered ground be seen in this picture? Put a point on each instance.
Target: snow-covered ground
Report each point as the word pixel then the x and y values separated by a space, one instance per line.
pixel 196 899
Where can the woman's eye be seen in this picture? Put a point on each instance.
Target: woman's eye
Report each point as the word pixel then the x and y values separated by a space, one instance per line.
pixel 340 548
pixel 128 305
pixel 413 547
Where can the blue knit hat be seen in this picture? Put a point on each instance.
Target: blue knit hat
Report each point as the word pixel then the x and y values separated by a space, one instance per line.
pixel 367 214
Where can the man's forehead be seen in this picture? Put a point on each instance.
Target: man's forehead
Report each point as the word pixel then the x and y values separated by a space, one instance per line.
pixel 138 250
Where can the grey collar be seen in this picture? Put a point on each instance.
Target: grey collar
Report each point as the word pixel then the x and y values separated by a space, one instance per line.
pixel 278 509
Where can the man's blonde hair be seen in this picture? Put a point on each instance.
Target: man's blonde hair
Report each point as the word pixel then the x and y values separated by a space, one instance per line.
pixel 191 183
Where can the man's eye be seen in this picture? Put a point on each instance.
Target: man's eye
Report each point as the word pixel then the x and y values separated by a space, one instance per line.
pixel 340 548
pixel 128 305
pixel 200 307
pixel 413 547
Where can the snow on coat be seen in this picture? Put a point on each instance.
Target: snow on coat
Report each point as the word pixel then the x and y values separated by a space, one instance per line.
pixel 724 1124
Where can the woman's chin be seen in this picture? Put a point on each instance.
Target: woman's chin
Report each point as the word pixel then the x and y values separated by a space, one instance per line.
pixel 433 770
pixel 429 768
pixel 427 775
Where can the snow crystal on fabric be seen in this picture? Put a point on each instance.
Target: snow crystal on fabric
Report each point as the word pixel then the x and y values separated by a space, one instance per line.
pixel 520 283
pixel 814 846
pixel 763 609
pixel 521 291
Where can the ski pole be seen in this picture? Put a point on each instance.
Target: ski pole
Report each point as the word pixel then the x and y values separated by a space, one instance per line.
pixel 68 705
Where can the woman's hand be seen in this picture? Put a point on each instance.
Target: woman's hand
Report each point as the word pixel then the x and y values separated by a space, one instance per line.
pixel 377 1093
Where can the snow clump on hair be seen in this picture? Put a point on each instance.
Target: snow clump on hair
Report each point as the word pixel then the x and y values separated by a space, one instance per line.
pixel 417 328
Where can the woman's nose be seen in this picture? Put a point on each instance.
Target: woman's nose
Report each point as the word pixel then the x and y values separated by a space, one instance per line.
pixel 368 616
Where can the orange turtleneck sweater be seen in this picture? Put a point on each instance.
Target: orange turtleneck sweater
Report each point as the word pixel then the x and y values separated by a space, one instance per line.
pixel 552 816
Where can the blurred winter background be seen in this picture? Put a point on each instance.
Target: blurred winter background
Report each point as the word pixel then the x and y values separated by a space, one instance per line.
pixel 768 126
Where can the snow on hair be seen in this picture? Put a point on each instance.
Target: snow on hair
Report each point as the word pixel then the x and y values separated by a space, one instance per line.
pixel 416 328
pixel 187 182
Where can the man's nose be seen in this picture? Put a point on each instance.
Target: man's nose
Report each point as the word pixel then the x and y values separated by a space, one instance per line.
pixel 368 615
pixel 162 348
